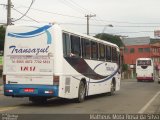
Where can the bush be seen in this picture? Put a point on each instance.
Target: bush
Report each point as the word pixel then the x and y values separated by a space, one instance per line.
pixel 124 67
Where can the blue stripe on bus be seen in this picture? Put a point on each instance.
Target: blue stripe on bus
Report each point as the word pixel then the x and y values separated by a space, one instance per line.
pixel 34 33
pixel 39 90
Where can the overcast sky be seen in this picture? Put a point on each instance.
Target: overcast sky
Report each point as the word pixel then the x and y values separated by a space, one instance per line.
pixel 132 18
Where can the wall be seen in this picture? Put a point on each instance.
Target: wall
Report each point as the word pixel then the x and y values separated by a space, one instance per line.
pixel 130 56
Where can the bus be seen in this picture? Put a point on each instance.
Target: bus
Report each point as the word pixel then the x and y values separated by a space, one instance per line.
pixel 144 69
pixel 46 61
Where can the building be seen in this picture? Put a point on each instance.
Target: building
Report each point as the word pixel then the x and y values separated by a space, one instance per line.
pixel 155 52
pixel 135 48
pixel 140 47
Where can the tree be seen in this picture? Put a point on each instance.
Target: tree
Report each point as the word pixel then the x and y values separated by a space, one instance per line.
pixel 2 37
pixel 110 38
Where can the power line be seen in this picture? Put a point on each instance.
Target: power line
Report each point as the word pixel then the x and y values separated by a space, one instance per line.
pixel 80 7
pixel 84 10
pixel 100 20
pixel 44 11
pixel 127 32
pixel 25 12
pixel 108 20
pixel 136 26
pixel 25 15
pixel 72 5
pixel 102 25
pixel 125 22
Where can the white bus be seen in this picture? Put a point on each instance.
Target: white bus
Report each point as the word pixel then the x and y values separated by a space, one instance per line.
pixel 144 69
pixel 45 61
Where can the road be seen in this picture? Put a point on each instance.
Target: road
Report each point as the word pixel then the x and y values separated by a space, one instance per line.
pixel 134 97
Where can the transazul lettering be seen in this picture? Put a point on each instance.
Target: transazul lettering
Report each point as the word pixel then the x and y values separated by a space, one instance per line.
pixel 28 50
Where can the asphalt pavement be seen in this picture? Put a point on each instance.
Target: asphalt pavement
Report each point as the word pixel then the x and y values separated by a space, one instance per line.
pixel 152 104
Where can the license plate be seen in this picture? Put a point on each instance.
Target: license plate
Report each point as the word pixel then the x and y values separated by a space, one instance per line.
pixel 30 90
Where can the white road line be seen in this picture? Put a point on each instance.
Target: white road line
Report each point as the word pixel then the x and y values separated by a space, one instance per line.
pixel 148 104
pixel 8 108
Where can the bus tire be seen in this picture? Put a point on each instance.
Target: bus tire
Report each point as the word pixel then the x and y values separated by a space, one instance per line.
pixel 81 91
pixel 113 88
pixel 38 100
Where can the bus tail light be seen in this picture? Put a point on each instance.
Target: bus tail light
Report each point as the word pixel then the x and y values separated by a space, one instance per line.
pixel 4 79
pixel 9 91
pixel 55 80
pixel 48 92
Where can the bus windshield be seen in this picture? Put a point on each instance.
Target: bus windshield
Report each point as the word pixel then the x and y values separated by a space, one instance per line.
pixel 144 62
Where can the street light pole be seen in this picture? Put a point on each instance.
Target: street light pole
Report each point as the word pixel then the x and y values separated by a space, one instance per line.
pixel 110 25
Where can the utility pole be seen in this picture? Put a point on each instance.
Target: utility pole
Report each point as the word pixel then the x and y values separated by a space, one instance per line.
pixel 9 12
pixel 88 17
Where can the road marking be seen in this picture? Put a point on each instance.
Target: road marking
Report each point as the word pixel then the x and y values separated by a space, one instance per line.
pixel 2 109
pixel 148 104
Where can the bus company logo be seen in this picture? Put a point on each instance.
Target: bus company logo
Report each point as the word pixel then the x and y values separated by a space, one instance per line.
pixel 110 68
pixel 34 33
pixel 14 49
pixel 27 68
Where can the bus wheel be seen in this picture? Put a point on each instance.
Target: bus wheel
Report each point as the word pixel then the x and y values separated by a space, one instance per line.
pixel 113 88
pixel 81 92
pixel 38 100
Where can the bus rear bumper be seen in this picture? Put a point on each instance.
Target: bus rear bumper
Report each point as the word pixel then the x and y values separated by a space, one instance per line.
pixel 30 90
pixel 145 79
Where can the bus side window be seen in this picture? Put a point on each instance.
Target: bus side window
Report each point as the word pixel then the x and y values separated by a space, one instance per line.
pixel 66 45
pixel 75 46
pixel 119 58
pixel 101 52
pixel 114 54
pixel 108 53
pixel 94 50
pixel 86 48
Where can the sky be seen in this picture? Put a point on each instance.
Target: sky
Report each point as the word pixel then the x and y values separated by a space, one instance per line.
pixel 129 18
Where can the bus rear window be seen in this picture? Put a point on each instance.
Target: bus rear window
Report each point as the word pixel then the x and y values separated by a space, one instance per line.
pixel 143 62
